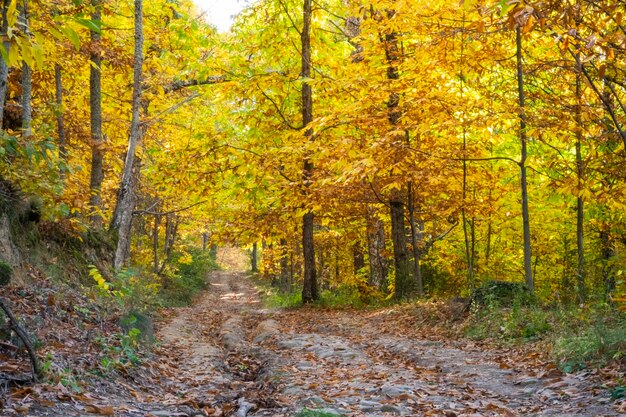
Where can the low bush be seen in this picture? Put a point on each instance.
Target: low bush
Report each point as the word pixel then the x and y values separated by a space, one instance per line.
pixel 580 337
pixel 592 339
pixel 279 299
pixel 508 324
pixel 188 278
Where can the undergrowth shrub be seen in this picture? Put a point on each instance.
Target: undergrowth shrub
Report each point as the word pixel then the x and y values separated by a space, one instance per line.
pixel 580 337
pixel 592 338
pixel 188 277
pixel 278 299
pixel 126 291
pixel 344 296
pixel 508 324
pixel 120 350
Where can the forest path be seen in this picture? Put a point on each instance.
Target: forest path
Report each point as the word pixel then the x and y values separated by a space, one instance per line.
pixel 240 359
pixel 228 356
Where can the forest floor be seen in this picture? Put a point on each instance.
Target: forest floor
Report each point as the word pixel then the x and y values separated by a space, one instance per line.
pixel 228 356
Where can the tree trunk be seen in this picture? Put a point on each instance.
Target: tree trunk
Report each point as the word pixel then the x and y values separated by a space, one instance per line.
pixel 205 241
pixel 27 79
pixel 528 273
pixel 58 82
pixel 337 268
pixel 375 248
pixel 608 255
pixel 310 291
pixel 607 244
pixel 580 202
pixel 358 257
pixel 321 269
pixel 401 258
pixel 123 215
pixel 155 242
pixel 4 66
pixel 171 232
pixel 95 107
pixel 253 258
pixel 284 265
pixel 417 269
pixel 466 234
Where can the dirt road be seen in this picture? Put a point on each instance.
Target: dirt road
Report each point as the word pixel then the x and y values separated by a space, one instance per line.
pixel 266 363
pixel 227 356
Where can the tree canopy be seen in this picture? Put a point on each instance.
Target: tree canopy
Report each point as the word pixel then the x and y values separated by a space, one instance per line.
pixel 430 145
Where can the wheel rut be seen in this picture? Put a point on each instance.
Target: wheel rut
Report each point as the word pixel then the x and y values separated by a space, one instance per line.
pixel 353 363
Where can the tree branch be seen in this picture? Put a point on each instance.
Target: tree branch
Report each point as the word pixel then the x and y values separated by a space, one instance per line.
pixel 172 109
pixel 180 84
pixel 607 104
pixel 157 213
pixel 280 113
pixel 15 326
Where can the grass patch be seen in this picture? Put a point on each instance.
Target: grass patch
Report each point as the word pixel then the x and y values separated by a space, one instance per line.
pixel 579 337
pixel 593 340
pixel 344 297
pixel 279 299
pixel 508 324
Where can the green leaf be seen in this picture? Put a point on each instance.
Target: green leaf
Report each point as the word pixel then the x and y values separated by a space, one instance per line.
pixel 72 36
pixel 57 34
pixel 93 25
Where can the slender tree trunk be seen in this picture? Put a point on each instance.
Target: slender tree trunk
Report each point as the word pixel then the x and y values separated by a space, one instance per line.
pixel 4 66
pixel 253 258
pixel 358 258
pixel 310 291
pixel 95 107
pixel 27 79
pixel 607 243
pixel 401 258
pixel 123 215
pixel 58 82
pixel 468 245
pixel 205 241
pixel 396 203
pixel 417 269
pixel 171 233
pixel 488 246
pixel 337 269
pixel 528 273
pixel 580 202
pixel 608 255
pixel 321 269
pixel 375 248
pixel 155 241
pixel 284 265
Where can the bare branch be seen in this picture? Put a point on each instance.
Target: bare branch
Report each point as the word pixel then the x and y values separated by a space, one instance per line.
pixel 280 113
pixel 157 213
pixel 180 84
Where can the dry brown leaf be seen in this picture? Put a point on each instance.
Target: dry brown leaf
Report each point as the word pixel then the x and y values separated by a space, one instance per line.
pixel 101 410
